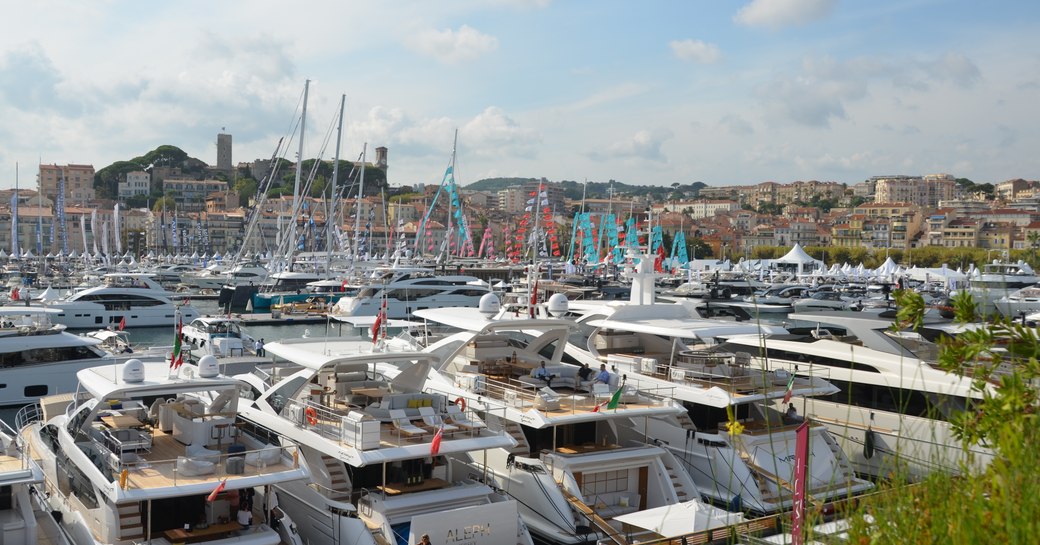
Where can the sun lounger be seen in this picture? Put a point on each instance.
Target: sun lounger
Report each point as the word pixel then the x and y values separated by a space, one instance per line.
pixel 433 420
pixel 404 425
pixel 456 417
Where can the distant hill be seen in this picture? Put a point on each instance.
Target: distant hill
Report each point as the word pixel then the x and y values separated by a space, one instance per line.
pixel 597 190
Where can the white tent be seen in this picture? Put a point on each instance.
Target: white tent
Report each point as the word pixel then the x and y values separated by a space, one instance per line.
pixel 802 260
pixel 888 268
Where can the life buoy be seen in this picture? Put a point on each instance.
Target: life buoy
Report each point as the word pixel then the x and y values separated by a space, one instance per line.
pixel 461 403
pixel 312 415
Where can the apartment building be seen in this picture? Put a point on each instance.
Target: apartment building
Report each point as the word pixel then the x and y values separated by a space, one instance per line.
pixel 136 183
pixel 79 182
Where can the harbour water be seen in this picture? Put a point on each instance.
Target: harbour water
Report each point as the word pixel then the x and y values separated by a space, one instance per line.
pixel 162 336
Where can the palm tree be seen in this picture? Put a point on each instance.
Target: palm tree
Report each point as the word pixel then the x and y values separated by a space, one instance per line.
pixel 1034 241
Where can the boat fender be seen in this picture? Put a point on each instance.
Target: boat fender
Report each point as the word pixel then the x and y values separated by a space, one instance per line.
pixel 868 444
pixel 312 416
pixel 461 403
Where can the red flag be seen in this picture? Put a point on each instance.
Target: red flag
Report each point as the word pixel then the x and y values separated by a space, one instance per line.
pixel 122 323
pixel 801 459
pixel 435 445
pixel 14 294
pixel 596 408
pixel 375 326
pixel 216 491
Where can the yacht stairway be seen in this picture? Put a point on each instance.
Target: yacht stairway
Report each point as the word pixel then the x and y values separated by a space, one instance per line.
pixel 339 489
pixel 596 520
pixel 131 525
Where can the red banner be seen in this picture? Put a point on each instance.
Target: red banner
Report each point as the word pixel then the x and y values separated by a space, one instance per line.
pixel 801 465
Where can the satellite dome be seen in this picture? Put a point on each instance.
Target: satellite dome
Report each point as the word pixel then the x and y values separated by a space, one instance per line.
pixel 558 305
pixel 208 367
pixel 133 371
pixel 489 305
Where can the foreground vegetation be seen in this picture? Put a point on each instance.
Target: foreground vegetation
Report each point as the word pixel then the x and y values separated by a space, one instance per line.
pixel 1000 504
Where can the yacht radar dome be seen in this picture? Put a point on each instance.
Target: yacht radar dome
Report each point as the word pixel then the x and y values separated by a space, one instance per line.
pixel 489 305
pixel 558 305
pixel 133 371
pixel 208 367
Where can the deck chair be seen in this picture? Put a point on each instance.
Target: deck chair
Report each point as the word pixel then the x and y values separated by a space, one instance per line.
pixel 601 391
pixel 404 425
pixel 457 418
pixel 434 420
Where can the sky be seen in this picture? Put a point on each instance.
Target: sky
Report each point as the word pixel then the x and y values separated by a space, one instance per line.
pixel 726 92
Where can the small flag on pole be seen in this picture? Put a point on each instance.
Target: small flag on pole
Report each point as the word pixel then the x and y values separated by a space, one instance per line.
pixel 122 323
pixel 216 491
pixel 435 445
pixel 790 389
pixel 177 358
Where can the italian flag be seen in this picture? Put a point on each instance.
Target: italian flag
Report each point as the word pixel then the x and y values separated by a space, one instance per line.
pixel 790 389
pixel 177 358
pixel 612 403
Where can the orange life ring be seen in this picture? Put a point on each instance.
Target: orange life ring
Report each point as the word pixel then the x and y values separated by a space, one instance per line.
pixel 461 403
pixel 312 415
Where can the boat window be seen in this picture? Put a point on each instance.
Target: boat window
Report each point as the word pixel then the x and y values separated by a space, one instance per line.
pixel 80 486
pixel 282 394
pixel 898 400
pixel 49 355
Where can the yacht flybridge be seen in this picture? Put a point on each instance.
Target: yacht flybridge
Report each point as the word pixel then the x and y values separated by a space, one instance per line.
pixel 381 448
pixel 583 465
pixel 143 453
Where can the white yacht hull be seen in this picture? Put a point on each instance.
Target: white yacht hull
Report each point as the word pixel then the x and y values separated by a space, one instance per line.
pixel 83 315
pixel 26 384
pixel 914 445
pixel 400 310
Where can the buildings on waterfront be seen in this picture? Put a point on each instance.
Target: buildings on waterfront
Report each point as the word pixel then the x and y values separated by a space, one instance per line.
pixel 890 211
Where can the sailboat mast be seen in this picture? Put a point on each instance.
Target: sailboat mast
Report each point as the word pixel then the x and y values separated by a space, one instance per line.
pixel 360 194
pixel 290 248
pixel 299 153
pixel 14 216
pixel 330 217
pixel 447 224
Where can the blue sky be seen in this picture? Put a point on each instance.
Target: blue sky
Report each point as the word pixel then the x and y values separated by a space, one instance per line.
pixel 724 92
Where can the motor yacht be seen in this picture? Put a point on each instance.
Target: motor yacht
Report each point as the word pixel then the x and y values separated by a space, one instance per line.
pixel 380 447
pixel 217 335
pixel 999 279
pixel 1018 303
pixel 38 357
pixel 584 466
pixel 408 292
pixel 668 346
pixel 146 453
pixel 894 406
pixel 133 299
pixel 821 300
pixel 216 276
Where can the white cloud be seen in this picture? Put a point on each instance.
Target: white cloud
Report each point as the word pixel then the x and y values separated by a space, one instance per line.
pixel 736 125
pixel 824 87
pixel 452 46
pixel 493 133
pixel 695 51
pixel 781 13
pixel 644 145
